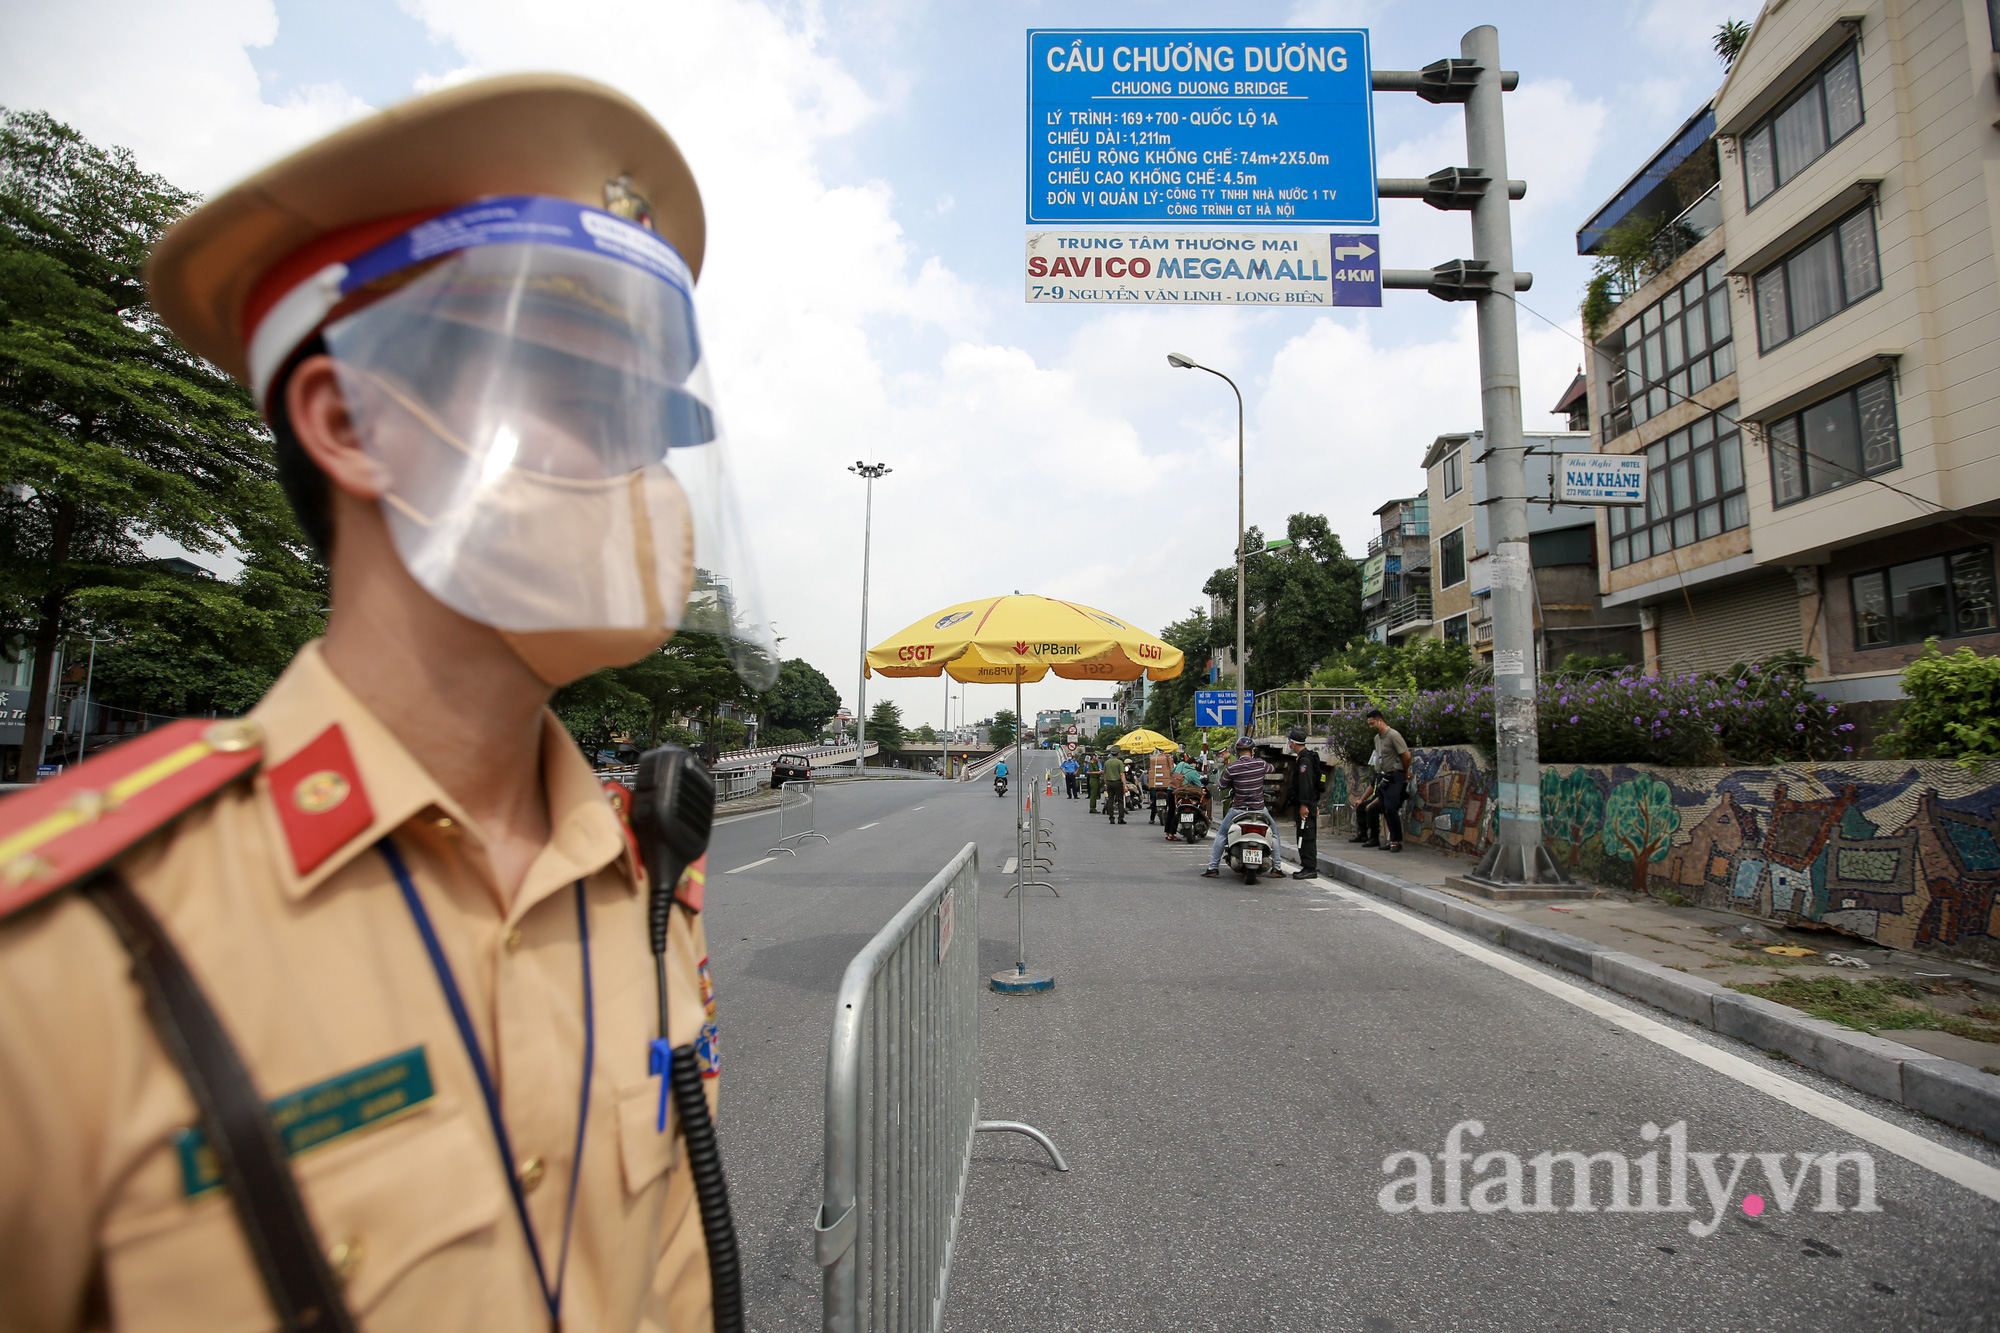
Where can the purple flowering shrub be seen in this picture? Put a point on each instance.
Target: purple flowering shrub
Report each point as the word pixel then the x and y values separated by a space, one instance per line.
pixel 1760 713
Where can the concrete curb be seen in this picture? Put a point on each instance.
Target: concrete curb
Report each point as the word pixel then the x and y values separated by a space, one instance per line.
pixel 1959 1095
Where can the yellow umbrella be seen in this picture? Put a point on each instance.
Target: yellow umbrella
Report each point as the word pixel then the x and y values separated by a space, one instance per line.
pixel 1142 739
pixel 1012 640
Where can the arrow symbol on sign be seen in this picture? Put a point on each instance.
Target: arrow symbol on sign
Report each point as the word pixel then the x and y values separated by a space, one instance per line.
pixel 1361 251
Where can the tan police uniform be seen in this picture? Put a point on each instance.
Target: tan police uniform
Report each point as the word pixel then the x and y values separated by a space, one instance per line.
pixel 271 879
pixel 319 973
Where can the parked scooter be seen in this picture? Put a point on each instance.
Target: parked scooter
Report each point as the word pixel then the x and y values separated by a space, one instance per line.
pixel 999 784
pixel 1249 847
pixel 1131 798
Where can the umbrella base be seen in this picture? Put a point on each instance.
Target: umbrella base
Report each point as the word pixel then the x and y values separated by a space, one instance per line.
pixel 1022 983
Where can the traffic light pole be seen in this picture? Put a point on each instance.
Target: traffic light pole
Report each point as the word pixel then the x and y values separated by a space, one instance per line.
pixel 1517 857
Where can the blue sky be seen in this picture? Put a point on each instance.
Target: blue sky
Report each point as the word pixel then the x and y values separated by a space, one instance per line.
pixel 862 167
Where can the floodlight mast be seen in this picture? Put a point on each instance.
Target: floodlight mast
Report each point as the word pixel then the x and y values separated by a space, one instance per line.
pixel 1181 361
pixel 869 472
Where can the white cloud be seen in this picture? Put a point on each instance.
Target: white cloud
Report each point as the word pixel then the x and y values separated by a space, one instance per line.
pixel 174 83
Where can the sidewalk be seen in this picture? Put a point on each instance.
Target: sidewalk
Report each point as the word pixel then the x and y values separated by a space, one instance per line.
pixel 1729 949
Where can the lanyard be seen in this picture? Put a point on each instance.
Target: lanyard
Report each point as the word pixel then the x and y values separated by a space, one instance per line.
pixel 552 1295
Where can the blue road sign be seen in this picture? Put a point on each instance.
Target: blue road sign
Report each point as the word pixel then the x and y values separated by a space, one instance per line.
pixel 1357 269
pixel 1217 708
pixel 1267 126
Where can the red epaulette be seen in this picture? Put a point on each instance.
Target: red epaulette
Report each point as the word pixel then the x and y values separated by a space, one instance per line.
pixel 60 830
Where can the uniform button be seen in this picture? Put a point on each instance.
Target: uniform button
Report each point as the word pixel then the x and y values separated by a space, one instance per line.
pixel 446 825
pixel 512 940
pixel 343 1258
pixel 531 1173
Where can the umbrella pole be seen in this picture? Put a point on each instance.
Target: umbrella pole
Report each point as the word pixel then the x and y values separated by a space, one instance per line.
pixel 1021 858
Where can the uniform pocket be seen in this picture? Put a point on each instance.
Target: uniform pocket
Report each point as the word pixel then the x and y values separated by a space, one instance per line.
pixel 391 1198
pixel 643 1149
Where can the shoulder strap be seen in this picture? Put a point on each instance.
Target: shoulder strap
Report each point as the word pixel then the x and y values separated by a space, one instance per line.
pixel 302 1287
pixel 57 832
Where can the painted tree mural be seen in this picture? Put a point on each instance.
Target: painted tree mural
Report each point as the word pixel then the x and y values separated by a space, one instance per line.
pixel 1572 813
pixel 1639 823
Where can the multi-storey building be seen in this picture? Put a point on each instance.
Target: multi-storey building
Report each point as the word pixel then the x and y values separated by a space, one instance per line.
pixel 1861 192
pixel 1395 576
pixel 1569 614
pixel 1813 366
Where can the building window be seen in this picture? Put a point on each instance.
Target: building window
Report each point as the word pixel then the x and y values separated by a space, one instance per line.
pixel 1818 280
pixel 1694 491
pixel 1677 347
pixel 1839 440
pixel 1458 629
pixel 1819 114
pixel 1451 558
pixel 1943 597
pixel 1449 468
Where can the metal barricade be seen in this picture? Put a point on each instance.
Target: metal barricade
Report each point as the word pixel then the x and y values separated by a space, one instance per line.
pixel 794 797
pixel 1032 862
pixel 902 1105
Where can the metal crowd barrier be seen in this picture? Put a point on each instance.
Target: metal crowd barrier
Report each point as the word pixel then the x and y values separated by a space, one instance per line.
pixel 902 1105
pixel 794 796
pixel 1032 862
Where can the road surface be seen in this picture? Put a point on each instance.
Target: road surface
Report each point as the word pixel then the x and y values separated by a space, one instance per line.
pixel 1228 1068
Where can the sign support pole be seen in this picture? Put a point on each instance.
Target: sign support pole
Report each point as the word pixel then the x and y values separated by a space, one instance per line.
pixel 1517 856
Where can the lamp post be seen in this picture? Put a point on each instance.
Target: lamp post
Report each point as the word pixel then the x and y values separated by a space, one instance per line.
pixel 1181 362
pixel 869 472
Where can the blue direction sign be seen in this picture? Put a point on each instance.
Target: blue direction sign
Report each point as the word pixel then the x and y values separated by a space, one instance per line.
pixel 1269 126
pixel 1357 269
pixel 1217 708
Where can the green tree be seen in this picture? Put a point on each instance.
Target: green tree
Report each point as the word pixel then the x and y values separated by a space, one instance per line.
pixel 1729 41
pixel 802 700
pixel 599 709
pixel 1639 823
pixel 1171 699
pixel 692 677
pixel 112 432
pixel 1002 730
pixel 1303 601
pixel 885 728
pixel 926 733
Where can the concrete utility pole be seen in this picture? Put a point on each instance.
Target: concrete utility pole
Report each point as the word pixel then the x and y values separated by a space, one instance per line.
pixel 1517 857
pixel 869 472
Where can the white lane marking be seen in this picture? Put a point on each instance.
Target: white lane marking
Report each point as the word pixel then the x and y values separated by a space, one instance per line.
pixel 867 826
pixel 1007 866
pixel 752 866
pixel 916 808
pixel 1970 1172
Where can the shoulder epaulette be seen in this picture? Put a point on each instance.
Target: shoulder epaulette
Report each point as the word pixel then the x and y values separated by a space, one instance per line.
pixel 60 830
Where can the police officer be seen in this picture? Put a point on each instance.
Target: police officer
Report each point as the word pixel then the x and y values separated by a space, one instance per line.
pixel 416 919
pixel 1094 775
pixel 1300 800
pixel 1114 787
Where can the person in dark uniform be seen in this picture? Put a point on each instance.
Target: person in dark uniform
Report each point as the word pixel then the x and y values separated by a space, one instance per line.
pixel 1299 800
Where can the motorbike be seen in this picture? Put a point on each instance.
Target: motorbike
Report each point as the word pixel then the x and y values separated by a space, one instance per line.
pixel 1131 798
pixel 999 784
pixel 1250 846
pixel 1191 810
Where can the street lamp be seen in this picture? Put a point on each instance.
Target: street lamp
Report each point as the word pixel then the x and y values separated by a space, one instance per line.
pixel 1182 362
pixel 869 472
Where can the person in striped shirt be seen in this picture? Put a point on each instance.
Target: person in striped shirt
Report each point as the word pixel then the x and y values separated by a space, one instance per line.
pixel 1243 784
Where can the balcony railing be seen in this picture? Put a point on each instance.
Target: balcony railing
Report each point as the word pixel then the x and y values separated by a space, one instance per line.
pixel 1412 610
pixel 1409 528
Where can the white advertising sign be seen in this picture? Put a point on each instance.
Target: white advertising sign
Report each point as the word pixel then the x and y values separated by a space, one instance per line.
pixel 1601 479
pixel 1176 266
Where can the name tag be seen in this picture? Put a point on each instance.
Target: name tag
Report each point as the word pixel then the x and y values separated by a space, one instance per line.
pixel 317 1115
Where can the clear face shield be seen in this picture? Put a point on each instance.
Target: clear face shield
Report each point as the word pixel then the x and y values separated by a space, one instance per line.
pixel 550 456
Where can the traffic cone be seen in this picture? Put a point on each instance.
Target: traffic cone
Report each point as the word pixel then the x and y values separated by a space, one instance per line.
pixel 1050 789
